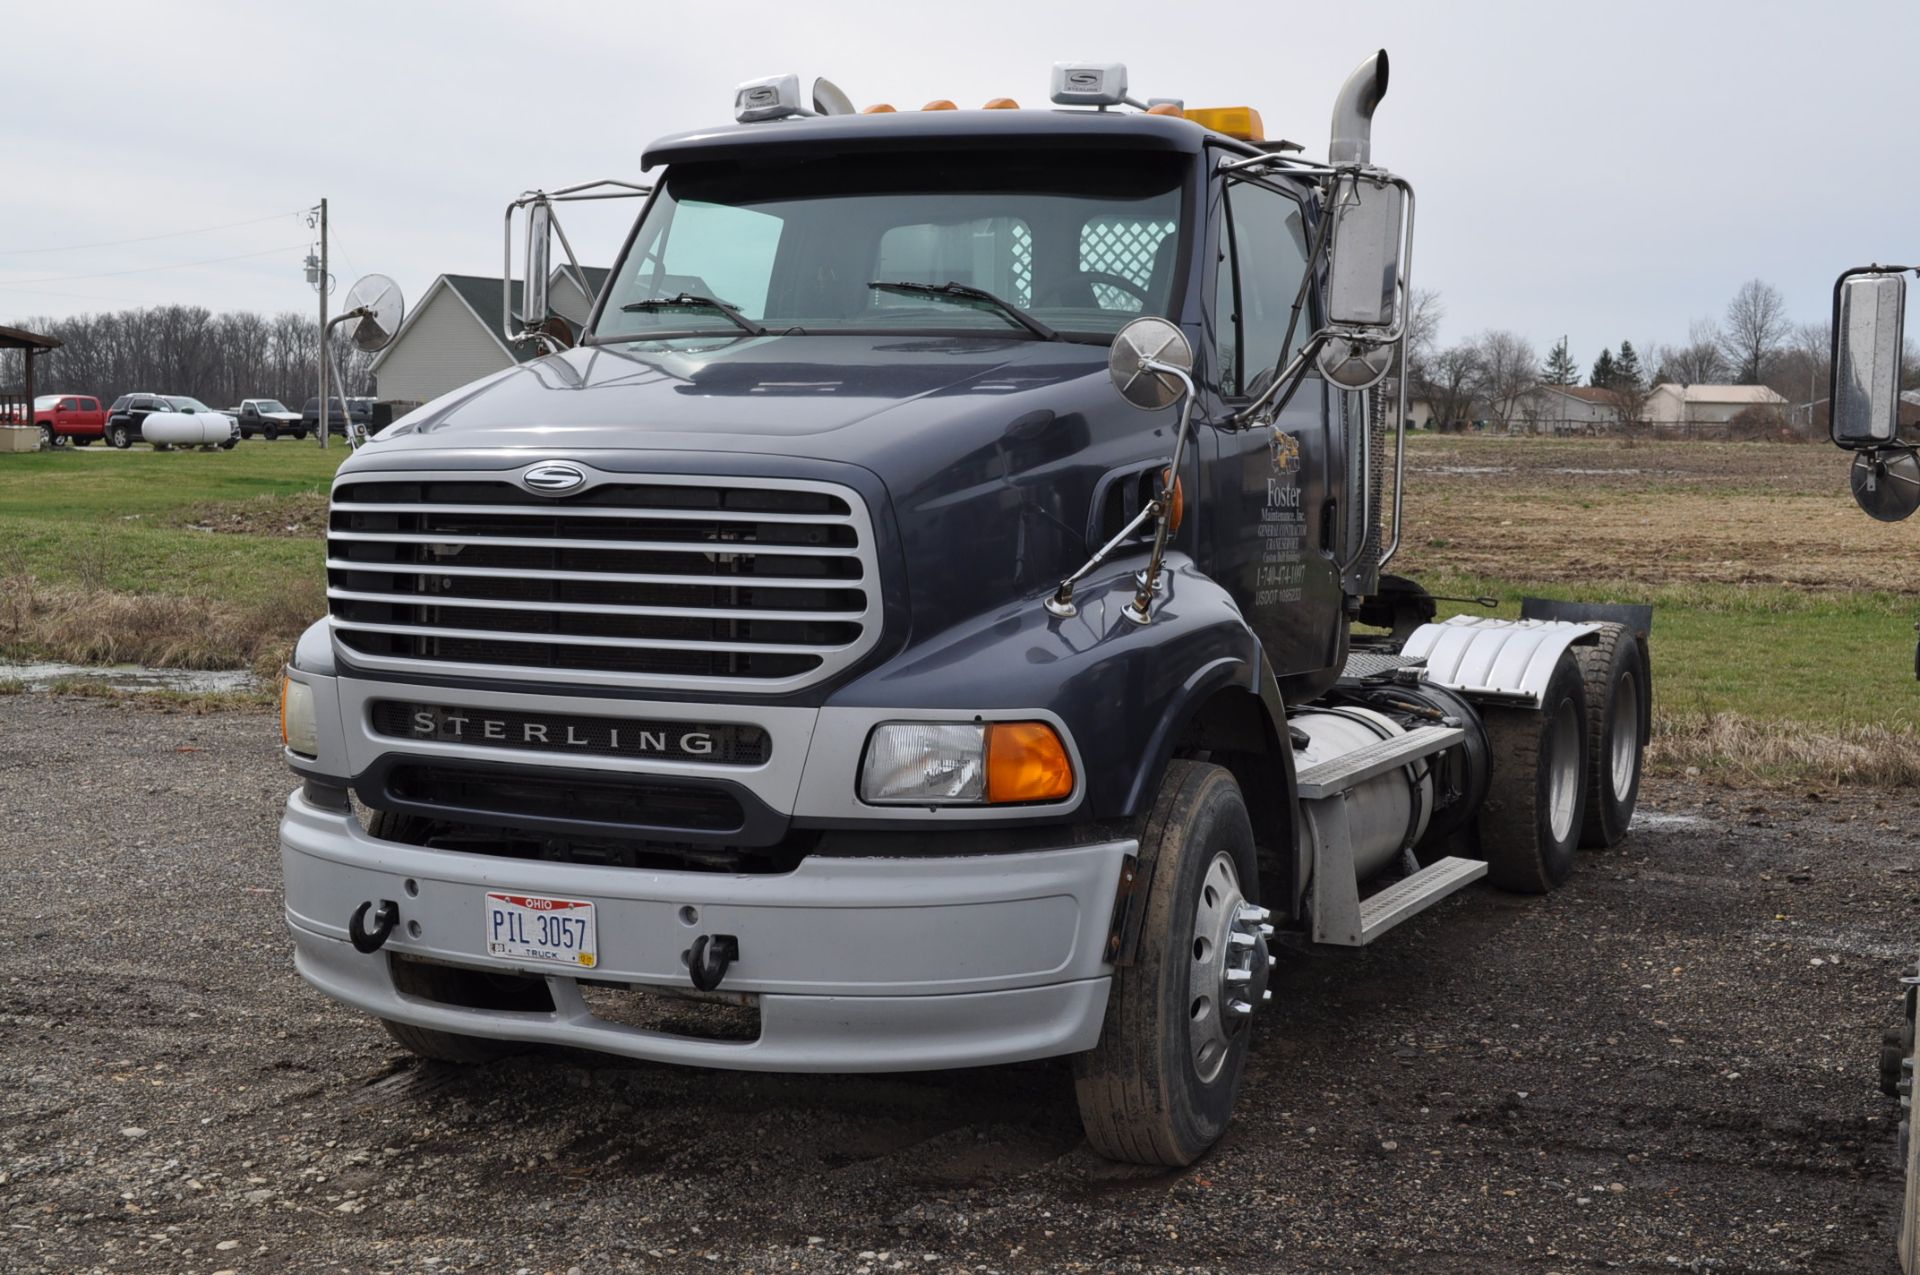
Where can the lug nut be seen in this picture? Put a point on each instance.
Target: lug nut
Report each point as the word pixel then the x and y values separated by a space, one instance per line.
pixel 1238 939
pixel 1266 931
pixel 1267 994
pixel 1250 913
pixel 1239 976
pixel 1242 1009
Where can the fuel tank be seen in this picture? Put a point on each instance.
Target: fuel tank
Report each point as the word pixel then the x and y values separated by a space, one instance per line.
pixel 1385 813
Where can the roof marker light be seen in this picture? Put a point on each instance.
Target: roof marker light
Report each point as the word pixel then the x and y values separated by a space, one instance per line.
pixel 879 108
pixel 1001 104
pixel 1242 122
pixel 1166 108
pixel 940 104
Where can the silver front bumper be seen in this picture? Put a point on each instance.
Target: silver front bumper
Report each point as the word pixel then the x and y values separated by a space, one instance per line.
pixel 858 964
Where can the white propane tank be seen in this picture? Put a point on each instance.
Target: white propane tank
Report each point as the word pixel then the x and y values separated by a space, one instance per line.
pixel 187 429
pixel 1383 813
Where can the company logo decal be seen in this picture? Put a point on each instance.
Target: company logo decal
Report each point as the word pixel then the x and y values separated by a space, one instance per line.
pixel 719 743
pixel 553 477
pixel 1286 451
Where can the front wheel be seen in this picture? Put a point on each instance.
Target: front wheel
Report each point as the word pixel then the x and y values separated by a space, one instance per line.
pixel 299 435
pixel 1159 1088
pixel 120 437
pixel 271 433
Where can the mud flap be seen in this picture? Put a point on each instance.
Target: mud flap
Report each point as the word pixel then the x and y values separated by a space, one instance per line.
pixel 1638 618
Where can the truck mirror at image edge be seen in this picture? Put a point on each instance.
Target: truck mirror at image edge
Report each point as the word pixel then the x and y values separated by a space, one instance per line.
pixel 1868 313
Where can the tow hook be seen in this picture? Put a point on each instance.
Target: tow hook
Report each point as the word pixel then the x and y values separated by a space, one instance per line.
pixel 709 958
pixel 365 941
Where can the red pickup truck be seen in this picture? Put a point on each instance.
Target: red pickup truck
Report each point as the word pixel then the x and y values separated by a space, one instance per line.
pixel 69 416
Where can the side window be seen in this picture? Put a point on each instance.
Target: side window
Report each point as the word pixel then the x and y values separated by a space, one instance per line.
pixel 1264 259
pixel 1129 249
pixel 89 404
pixel 716 251
pixel 121 402
pixel 69 404
pixel 995 253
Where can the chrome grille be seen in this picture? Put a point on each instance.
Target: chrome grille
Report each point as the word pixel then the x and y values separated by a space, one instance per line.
pixel 658 581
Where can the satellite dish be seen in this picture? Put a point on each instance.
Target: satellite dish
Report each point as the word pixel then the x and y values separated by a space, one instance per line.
pixel 1143 339
pixel 384 309
pixel 829 100
pixel 1886 483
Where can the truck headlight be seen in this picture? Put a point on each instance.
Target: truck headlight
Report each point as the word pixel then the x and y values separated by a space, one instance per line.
pixel 298 728
pixel 964 764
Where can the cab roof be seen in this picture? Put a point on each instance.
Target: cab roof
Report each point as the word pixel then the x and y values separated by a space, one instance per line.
pixel 943 130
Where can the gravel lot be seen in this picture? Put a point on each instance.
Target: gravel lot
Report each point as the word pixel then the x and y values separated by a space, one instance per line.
pixel 1667 1064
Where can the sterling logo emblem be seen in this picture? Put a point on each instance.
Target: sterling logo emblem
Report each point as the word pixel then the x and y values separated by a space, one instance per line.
pixel 553 478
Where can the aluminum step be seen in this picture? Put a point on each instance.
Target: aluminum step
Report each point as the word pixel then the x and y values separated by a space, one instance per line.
pixel 1381 912
pixel 1361 664
pixel 1348 770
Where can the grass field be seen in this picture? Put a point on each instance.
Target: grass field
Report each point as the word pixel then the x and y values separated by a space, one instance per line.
pixel 1783 631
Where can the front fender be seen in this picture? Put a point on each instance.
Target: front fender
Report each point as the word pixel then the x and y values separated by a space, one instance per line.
pixel 1124 691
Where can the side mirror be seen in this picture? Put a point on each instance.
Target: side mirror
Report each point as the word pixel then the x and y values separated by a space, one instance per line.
pixel 1869 309
pixel 1365 254
pixel 533 297
pixel 1149 339
pixel 383 310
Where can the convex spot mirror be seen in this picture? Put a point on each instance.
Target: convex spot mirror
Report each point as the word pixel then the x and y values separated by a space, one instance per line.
pixel 1144 341
pixel 1363 281
pixel 1354 365
pixel 1869 311
pixel 384 311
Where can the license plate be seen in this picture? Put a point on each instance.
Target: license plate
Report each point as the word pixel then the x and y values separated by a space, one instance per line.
pixel 526 927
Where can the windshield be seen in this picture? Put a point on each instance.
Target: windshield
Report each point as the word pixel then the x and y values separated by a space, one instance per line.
pixel 184 404
pixel 1081 242
pixel 268 405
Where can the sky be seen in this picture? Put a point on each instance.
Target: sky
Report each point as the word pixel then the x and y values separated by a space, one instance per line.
pixel 1600 172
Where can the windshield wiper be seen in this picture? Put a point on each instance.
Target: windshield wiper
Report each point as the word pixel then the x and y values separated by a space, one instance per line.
pixel 967 292
pixel 694 301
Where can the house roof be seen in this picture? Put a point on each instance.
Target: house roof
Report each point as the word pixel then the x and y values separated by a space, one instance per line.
pixel 1585 393
pixel 1749 394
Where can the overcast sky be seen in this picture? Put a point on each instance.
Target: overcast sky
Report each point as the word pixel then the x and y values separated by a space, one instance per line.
pixel 1603 171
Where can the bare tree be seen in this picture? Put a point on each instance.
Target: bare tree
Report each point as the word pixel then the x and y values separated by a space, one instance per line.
pixel 1509 367
pixel 1756 325
pixel 1697 361
pixel 1446 380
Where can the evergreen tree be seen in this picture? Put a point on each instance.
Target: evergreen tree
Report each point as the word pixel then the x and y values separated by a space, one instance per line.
pixel 1560 368
pixel 1603 371
pixel 1626 368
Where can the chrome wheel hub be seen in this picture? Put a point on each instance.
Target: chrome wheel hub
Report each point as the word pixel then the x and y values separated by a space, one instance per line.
pixel 1227 969
pixel 1625 744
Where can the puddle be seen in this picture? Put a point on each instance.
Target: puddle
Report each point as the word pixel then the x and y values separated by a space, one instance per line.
pixel 130 677
pixel 1654 819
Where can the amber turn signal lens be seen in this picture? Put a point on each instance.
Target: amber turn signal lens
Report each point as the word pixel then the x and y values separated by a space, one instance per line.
pixel 1176 500
pixel 1026 762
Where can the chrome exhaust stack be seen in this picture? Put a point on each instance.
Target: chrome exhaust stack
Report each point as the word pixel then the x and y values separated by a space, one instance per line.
pixel 1353 112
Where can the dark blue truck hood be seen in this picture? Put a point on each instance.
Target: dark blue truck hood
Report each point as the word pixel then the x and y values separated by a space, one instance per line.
pixel 989 449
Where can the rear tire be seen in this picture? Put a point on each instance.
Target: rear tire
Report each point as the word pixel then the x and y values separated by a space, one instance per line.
pixel 447 985
pixel 1159 1088
pixel 119 438
pixel 1536 796
pixel 1618 698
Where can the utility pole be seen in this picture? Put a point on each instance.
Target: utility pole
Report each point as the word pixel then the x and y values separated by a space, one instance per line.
pixel 324 279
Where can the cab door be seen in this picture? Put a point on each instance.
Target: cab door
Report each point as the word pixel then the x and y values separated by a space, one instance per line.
pixel 1273 524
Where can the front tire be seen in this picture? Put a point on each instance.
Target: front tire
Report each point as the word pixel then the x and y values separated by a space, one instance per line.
pixel 1159 1088
pixel 1536 797
pixel 1618 699
pixel 120 438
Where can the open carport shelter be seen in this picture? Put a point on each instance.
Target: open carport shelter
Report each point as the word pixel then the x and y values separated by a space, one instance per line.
pixel 18 406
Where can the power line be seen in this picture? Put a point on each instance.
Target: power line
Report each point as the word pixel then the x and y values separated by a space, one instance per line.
pixel 171 234
pixel 178 265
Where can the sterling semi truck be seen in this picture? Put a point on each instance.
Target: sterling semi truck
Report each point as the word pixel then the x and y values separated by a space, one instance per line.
pixel 934 616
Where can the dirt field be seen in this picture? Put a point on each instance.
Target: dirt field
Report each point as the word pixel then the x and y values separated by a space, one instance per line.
pixel 1669 1064
pixel 1659 513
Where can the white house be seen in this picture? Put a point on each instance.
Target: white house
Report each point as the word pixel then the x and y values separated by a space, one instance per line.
pixel 453 334
pixel 1569 409
pixel 1690 405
